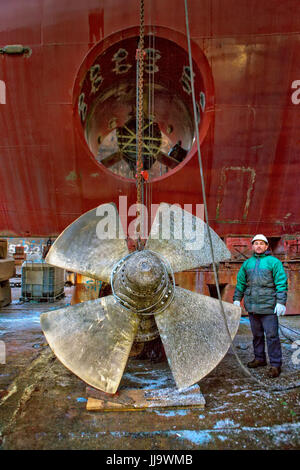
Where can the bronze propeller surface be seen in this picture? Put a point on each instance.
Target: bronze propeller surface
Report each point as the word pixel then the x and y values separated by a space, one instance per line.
pixel 94 338
pixel 182 239
pixel 81 248
pixel 194 336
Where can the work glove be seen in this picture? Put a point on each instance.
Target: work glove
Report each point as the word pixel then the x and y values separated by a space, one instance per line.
pixel 237 303
pixel 279 310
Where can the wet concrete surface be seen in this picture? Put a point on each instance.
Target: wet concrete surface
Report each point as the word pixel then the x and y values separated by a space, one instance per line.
pixel 43 405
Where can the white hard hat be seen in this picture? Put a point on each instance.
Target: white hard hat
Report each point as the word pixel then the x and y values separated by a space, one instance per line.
pixel 260 237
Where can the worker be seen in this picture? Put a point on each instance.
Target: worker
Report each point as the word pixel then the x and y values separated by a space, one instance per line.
pixel 262 282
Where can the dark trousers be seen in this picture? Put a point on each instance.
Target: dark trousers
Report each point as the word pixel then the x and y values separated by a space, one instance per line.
pixel 262 325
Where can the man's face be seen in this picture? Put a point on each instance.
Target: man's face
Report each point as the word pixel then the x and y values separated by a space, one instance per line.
pixel 259 247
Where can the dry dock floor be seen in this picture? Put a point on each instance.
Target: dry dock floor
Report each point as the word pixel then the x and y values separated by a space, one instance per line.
pixel 43 405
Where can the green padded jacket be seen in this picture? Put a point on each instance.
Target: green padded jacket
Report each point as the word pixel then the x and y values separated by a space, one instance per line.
pixel 262 282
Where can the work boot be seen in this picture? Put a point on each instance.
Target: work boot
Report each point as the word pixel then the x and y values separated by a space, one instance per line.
pixel 256 363
pixel 274 372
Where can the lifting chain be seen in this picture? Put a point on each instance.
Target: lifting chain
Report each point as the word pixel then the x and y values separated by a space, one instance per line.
pixel 140 100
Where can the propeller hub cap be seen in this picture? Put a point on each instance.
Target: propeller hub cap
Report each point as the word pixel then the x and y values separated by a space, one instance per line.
pixel 141 282
pixel 143 272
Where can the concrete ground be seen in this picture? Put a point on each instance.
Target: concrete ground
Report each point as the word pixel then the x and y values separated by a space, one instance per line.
pixel 43 405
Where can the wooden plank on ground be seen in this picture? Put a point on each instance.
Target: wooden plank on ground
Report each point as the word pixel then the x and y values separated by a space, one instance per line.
pixel 141 399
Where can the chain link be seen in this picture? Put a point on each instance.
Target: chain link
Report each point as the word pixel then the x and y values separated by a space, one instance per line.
pixel 140 114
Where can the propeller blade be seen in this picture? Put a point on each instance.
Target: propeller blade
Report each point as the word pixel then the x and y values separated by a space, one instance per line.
pixel 111 159
pixel 182 239
pixel 194 334
pixel 82 246
pixel 93 339
pixel 167 160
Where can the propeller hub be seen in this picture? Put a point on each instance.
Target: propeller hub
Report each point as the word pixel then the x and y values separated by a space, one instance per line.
pixel 143 272
pixel 141 282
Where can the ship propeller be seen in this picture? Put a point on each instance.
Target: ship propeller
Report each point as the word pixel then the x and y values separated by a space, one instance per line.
pixel 94 338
